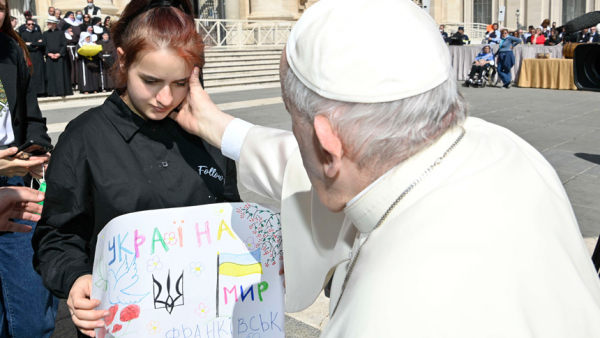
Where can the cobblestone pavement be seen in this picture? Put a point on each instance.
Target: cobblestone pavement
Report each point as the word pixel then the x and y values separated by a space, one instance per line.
pixel 563 125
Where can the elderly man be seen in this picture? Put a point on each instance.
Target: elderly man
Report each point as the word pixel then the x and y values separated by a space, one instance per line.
pixel 430 223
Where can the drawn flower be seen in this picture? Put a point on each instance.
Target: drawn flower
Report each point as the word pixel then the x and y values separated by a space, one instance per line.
pixel 117 328
pixel 113 311
pixel 130 312
pixel 221 210
pixel 196 268
pixel 154 264
pixel 253 335
pixel 153 327
pixel 250 243
pixel 170 238
pixel 202 310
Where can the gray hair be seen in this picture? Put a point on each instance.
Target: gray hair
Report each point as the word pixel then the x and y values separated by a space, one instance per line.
pixel 386 133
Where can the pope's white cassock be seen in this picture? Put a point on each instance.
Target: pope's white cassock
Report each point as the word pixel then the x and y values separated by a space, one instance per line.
pixel 487 244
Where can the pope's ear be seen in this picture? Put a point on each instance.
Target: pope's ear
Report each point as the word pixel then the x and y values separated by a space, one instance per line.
pixel 331 145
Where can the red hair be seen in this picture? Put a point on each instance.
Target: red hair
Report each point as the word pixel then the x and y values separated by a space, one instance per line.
pixel 140 30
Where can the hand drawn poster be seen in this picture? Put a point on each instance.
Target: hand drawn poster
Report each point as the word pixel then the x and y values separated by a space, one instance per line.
pixel 209 271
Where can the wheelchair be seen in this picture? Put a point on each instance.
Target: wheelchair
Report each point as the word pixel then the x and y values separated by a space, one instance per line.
pixel 489 76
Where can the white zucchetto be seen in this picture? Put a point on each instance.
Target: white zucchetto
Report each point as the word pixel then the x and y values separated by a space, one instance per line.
pixel 368 50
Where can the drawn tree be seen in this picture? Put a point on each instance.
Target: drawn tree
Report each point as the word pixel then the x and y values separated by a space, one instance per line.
pixel 266 225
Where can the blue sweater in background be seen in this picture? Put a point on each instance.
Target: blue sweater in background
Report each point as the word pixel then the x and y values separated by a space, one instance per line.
pixel 506 44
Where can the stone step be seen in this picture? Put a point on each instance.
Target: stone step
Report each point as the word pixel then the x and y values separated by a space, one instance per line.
pixel 242 53
pixel 213 64
pixel 241 58
pixel 242 81
pixel 240 75
pixel 243 68
pixel 210 49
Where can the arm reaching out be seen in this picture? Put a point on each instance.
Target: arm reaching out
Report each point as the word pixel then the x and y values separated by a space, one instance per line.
pixel 199 116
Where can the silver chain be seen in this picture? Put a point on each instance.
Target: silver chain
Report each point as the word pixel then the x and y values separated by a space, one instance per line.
pixel 389 211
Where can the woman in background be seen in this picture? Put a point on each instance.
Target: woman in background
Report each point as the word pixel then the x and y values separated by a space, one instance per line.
pixel 538 38
pixel 88 67
pixel 107 23
pixel 506 57
pixel 27 309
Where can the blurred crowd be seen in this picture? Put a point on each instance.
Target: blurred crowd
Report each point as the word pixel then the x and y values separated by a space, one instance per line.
pixel 546 34
pixel 69 53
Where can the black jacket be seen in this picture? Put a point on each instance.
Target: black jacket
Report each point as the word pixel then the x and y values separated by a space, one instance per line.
pixel 27 120
pixel 109 162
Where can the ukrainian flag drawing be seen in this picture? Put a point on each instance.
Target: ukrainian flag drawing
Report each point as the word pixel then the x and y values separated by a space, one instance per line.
pixel 241 264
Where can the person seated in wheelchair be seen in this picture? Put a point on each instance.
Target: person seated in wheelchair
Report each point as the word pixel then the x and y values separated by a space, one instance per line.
pixel 481 66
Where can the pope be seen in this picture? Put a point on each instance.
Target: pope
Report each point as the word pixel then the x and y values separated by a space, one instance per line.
pixel 430 223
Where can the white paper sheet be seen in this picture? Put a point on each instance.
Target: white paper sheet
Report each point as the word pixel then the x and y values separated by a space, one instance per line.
pixel 209 271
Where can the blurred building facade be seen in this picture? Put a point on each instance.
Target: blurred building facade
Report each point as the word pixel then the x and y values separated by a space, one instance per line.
pixel 517 12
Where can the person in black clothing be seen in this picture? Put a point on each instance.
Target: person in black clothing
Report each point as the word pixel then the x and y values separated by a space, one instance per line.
pixel 108 60
pixel 57 74
pixel 35 46
pixel 71 56
pixel 87 21
pixel 127 155
pixel 27 309
pixel 594 35
pixel 23 27
pixel 584 36
pixel 98 29
pixel 92 9
pixel 554 38
pixel 444 34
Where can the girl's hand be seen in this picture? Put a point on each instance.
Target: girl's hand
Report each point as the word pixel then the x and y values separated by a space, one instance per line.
pixel 82 307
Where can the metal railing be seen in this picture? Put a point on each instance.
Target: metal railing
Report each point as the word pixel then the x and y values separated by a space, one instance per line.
pixel 475 31
pixel 243 33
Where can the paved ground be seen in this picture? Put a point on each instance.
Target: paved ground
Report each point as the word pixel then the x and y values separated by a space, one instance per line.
pixel 563 125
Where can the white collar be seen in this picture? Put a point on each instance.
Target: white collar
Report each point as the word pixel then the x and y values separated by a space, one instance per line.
pixel 368 209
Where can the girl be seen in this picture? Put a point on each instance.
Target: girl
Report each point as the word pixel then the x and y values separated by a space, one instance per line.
pixel 127 155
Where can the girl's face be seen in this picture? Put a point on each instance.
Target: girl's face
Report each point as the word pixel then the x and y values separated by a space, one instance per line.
pixel 2 11
pixel 157 83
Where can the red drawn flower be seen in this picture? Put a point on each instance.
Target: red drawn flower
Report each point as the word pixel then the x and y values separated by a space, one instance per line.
pixel 113 311
pixel 267 265
pixel 130 312
pixel 274 263
pixel 117 328
pixel 254 232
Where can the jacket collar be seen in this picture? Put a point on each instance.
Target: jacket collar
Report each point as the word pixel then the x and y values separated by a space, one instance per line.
pixel 121 116
pixel 129 123
pixel 366 212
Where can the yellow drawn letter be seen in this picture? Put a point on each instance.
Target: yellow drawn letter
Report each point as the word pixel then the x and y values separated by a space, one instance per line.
pixel 224 226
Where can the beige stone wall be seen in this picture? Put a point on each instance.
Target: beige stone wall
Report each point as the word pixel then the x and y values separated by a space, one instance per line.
pixel 532 12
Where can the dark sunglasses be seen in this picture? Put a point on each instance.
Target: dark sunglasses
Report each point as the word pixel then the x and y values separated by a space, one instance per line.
pixel 29 24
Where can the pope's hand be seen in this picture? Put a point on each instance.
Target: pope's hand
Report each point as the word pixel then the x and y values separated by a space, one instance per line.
pixel 199 116
pixel 82 307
